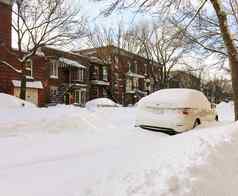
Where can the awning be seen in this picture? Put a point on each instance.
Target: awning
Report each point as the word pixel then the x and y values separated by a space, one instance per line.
pixel 69 62
pixel 33 84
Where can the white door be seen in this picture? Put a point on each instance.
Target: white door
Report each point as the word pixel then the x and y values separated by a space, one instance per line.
pixel 80 96
pixel 31 94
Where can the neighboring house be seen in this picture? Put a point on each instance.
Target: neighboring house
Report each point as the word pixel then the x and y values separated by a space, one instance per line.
pixel 66 77
pixel 55 76
pixel 183 79
pixel 130 76
pixel 99 78
pixel 9 79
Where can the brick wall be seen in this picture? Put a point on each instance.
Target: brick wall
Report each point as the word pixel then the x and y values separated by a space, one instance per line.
pixel 5 24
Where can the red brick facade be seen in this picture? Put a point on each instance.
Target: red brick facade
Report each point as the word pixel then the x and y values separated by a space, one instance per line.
pixel 65 77
pixel 5 20
pixel 130 75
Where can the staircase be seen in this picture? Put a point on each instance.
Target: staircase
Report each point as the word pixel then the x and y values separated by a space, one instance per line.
pixel 61 92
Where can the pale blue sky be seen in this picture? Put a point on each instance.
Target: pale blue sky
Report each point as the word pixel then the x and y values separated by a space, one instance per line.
pixel 92 9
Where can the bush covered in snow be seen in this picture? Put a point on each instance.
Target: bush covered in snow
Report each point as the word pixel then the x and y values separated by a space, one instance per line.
pixel 226 111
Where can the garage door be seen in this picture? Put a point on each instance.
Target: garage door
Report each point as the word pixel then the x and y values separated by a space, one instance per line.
pixel 31 94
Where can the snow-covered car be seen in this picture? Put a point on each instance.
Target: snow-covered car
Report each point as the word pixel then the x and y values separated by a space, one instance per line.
pixel 174 110
pixel 100 102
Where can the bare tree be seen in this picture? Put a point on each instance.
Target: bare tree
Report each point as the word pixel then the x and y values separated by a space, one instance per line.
pixel 168 47
pixel 39 23
pixel 223 24
pixel 119 36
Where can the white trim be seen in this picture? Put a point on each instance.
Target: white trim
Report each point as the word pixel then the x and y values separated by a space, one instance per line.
pixel 30 77
pixel 100 82
pixel 135 75
pixel 34 84
pixel 54 77
pixel 80 85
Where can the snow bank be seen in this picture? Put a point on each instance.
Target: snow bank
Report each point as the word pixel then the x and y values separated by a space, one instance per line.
pixel 185 98
pixel 225 111
pixel 100 102
pixel 71 151
pixel 12 102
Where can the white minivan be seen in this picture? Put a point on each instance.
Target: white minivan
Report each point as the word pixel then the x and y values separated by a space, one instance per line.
pixel 174 110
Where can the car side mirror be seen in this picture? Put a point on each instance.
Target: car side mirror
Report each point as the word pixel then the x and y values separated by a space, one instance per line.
pixel 213 105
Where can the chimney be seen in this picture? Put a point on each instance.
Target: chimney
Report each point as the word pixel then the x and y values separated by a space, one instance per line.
pixel 5 23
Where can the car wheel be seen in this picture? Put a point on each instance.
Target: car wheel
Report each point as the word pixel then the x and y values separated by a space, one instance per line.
pixel 216 118
pixel 196 123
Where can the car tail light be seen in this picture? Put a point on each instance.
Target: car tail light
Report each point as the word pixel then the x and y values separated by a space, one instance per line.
pixel 185 111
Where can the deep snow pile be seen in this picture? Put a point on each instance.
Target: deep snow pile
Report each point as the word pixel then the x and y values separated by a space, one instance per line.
pixel 225 111
pixel 100 102
pixel 11 102
pixel 70 151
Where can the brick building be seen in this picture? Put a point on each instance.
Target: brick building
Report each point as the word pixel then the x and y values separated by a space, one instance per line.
pixel 66 79
pixel 130 76
pixel 10 79
pixel 55 76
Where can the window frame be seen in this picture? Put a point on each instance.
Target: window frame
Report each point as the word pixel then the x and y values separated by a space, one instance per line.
pixel 54 69
pixel 30 69
pixel 80 75
pixel 105 73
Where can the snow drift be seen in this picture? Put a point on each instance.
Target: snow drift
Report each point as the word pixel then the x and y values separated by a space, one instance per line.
pixel 100 102
pixel 12 102
pixel 71 151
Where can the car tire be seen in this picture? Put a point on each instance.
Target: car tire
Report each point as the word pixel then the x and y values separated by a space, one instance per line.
pixel 196 123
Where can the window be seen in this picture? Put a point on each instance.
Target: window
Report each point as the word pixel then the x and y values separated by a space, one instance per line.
pixel 146 69
pixel 136 83
pixel 29 68
pixel 53 91
pixel 54 73
pixel 80 96
pixel 95 73
pixel 104 92
pixel 129 67
pixel 105 73
pixel 116 60
pixel 81 74
pixel 129 85
pixel 135 67
pixel 78 75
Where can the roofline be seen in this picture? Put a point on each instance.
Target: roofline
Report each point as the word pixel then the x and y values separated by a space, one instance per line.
pixel 112 46
pixel 63 51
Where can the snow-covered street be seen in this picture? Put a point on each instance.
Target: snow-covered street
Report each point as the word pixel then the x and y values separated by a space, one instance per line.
pixel 70 151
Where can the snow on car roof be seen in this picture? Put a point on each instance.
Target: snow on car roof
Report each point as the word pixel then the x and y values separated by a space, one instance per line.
pixel 187 98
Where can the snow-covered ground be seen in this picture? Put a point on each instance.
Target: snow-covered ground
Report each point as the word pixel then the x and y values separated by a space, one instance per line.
pixel 71 151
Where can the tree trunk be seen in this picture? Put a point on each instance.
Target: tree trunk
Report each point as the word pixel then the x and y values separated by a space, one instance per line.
pixel 23 82
pixel 231 49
